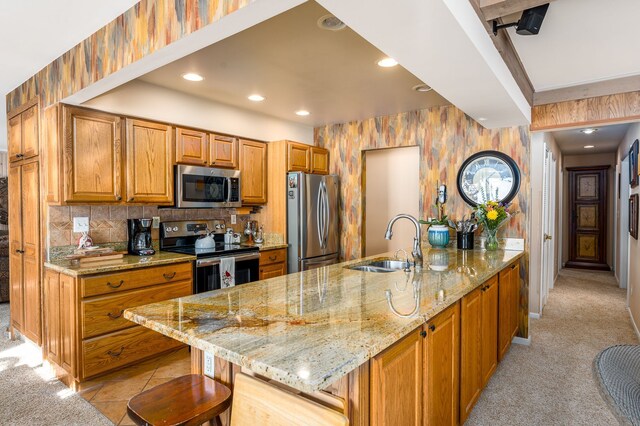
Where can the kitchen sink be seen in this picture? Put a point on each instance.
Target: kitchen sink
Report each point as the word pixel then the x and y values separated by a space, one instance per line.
pixel 380 266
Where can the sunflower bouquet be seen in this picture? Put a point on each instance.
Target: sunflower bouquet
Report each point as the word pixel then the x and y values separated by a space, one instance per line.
pixel 492 215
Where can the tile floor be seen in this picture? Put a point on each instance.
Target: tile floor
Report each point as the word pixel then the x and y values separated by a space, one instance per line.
pixel 110 393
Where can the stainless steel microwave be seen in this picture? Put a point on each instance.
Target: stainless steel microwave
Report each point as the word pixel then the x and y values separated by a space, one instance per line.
pixel 206 187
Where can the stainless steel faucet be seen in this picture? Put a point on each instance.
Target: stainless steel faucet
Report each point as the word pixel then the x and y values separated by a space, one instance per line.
pixel 417 240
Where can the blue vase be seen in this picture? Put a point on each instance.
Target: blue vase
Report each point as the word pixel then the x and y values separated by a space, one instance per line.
pixel 438 236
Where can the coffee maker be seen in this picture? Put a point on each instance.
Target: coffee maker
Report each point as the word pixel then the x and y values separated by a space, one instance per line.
pixel 139 231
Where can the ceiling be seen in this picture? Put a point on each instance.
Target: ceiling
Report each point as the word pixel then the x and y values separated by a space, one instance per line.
pixel 581 41
pixel 296 65
pixel 53 28
pixel 606 139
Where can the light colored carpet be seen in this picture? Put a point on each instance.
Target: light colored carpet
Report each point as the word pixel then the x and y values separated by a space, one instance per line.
pixel 551 382
pixel 29 395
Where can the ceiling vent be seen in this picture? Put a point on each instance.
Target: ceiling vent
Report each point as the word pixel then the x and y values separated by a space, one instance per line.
pixel 331 23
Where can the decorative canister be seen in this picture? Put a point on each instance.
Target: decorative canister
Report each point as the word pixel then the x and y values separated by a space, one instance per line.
pixel 438 235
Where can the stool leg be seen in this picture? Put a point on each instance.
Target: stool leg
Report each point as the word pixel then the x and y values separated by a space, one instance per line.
pixel 215 421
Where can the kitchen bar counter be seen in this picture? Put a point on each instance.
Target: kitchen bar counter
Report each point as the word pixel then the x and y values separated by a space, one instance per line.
pixel 309 329
pixel 126 263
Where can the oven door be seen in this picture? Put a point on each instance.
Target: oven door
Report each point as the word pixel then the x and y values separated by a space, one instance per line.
pixel 208 271
pixel 204 187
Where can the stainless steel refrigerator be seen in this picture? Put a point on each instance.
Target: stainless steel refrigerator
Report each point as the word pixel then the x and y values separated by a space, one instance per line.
pixel 312 221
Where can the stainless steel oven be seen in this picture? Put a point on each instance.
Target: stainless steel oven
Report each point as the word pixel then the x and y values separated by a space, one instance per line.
pixel 208 271
pixel 206 187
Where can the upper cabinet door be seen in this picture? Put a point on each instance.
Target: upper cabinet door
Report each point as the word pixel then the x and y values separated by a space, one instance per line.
pixel 253 169
pixel 223 151
pixel 319 161
pixel 15 138
pixel 30 139
pixel 149 162
pixel 92 156
pixel 298 155
pixel 191 147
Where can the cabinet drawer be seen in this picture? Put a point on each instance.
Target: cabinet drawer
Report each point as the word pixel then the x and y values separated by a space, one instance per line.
pixel 104 315
pixel 124 347
pixel 112 283
pixel 273 270
pixel 273 256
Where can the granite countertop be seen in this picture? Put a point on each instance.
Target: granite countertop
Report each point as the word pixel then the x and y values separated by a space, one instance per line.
pixel 309 329
pixel 268 246
pixel 127 262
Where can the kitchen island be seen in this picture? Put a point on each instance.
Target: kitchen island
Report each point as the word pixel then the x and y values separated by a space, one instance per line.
pixel 321 329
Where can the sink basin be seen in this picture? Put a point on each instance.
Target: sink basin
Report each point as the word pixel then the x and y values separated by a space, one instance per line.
pixel 381 266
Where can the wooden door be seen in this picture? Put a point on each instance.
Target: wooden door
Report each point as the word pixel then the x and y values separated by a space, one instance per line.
pixel 31 251
pixel 92 156
pixel 148 162
pixel 191 147
pixel 223 151
pixel 253 168
pixel 319 161
pixel 15 247
pixel 470 352
pixel 442 368
pixel 588 218
pixel 14 142
pixel 505 300
pixel 273 270
pixel 30 135
pixel 489 329
pixel 396 383
pixel 298 156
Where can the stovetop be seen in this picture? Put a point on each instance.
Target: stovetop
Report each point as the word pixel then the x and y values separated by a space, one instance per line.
pixel 219 250
pixel 181 236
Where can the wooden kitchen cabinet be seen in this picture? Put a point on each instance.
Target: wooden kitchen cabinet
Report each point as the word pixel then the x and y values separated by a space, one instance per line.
pixel 253 167
pixel 319 161
pixel 397 382
pixel 23 137
pixel 192 147
pixel 92 156
pixel 470 352
pixel 489 329
pixel 508 293
pixel 442 368
pixel 223 151
pixel 148 162
pixel 273 263
pixel 298 157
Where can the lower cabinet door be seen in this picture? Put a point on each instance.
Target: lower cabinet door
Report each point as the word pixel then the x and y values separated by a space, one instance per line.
pixel 273 270
pixel 489 329
pixel 505 296
pixel 396 383
pixel 470 352
pixel 442 368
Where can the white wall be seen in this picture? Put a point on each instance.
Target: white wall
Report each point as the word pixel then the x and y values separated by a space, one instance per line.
pixel 634 245
pixel 391 188
pixel 146 100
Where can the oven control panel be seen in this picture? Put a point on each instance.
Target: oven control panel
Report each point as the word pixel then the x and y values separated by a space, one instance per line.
pixel 186 228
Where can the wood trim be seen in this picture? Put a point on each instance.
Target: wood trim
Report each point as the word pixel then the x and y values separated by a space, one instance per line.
pixel 494 9
pixel 609 109
pixel 588 90
pixel 22 108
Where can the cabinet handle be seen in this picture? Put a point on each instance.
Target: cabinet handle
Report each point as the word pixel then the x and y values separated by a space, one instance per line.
pixel 20 251
pixel 115 285
pixel 110 315
pixel 169 276
pixel 204 162
pixel 131 199
pixel 118 198
pixel 432 327
pixel 273 258
pixel 19 155
pixel 116 354
pixel 423 333
pixel 513 266
pixel 484 289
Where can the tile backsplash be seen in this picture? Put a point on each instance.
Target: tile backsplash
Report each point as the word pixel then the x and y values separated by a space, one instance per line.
pixel 108 224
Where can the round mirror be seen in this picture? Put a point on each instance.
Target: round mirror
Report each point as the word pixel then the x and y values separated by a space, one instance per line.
pixel 488 176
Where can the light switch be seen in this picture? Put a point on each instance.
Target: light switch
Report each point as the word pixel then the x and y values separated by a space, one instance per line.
pixel 233 219
pixel 155 223
pixel 80 224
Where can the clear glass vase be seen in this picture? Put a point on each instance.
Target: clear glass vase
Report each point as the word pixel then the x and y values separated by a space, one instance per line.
pixel 491 239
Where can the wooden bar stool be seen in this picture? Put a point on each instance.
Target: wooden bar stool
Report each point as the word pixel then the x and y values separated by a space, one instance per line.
pixel 187 400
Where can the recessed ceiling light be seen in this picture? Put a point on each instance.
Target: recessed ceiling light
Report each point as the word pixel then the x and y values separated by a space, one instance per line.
pixel 589 146
pixel 589 131
pixel 331 23
pixel 482 119
pixel 387 62
pixel 422 88
pixel 191 76
pixel 302 112
pixel 256 98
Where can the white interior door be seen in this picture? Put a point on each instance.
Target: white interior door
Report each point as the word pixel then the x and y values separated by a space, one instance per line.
pixel 623 238
pixel 391 187
pixel 552 221
pixel 548 226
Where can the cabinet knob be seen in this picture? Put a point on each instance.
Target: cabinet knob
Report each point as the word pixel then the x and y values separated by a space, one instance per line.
pixel 131 199
pixel 513 266
pixel 484 289
pixel 423 333
pixel 118 198
pixel 204 162
pixel 432 327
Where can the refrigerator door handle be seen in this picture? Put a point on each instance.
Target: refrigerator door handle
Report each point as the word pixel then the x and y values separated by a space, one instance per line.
pixel 327 219
pixel 319 217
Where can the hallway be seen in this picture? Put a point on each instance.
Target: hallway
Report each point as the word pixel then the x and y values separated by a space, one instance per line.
pixel 551 382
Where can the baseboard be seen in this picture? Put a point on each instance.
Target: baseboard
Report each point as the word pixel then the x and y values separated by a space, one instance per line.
pixel 533 315
pixel 633 322
pixel 522 341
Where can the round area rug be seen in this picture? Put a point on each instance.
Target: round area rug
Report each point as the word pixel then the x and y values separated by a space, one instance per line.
pixel 617 371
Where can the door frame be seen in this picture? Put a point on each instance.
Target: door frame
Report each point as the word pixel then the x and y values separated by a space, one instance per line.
pixel 603 218
pixel 547 247
pixel 623 225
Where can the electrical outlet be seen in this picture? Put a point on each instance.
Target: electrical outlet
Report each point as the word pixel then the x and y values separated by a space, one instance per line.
pixel 208 364
pixel 155 222
pixel 80 224
pixel 233 219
